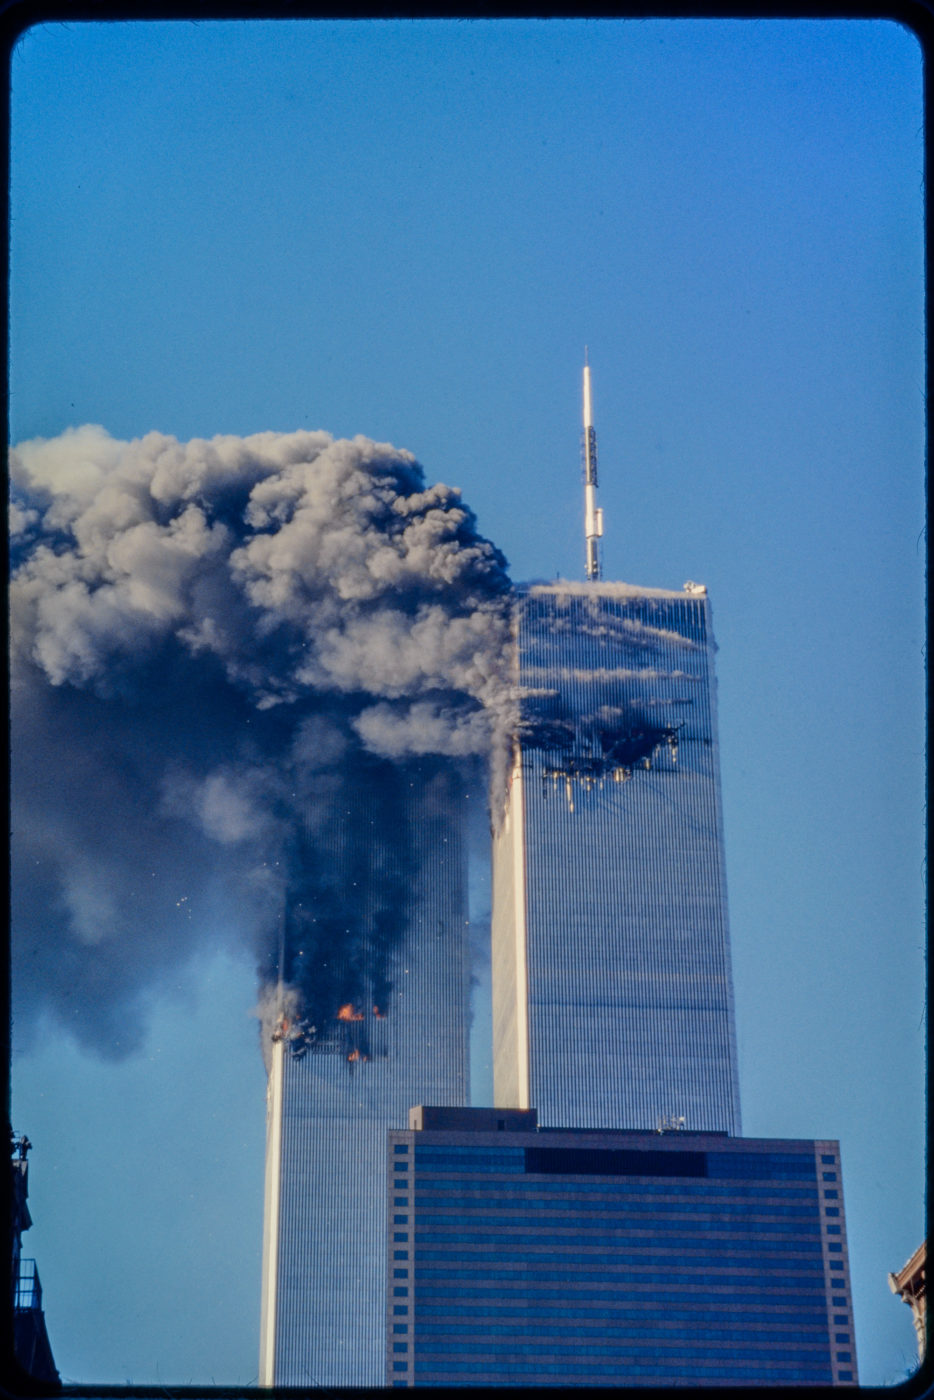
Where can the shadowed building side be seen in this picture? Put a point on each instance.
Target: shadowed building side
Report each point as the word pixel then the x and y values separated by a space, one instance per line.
pixel 330 1101
pixel 32 1350
pixel 612 986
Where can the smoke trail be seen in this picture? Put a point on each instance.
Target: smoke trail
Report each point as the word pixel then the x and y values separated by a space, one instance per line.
pixel 213 643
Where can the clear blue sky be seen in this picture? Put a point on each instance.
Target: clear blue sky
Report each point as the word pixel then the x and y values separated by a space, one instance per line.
pixel 410 230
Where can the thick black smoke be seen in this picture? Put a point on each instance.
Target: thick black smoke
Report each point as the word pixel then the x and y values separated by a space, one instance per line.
pixel 216 646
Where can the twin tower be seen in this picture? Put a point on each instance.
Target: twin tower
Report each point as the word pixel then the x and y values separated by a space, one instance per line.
pixel 612 990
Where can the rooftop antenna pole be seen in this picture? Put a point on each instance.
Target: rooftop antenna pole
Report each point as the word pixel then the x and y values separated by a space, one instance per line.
pixel 593 515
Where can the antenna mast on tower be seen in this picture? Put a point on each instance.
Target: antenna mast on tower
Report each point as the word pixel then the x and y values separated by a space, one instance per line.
pixel 593 515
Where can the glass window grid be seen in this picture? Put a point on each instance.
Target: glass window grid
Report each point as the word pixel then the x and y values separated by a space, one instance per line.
pixel 635 1188
pixel 495 1206
pixel 703 1279
pixel 624 1351
pixel 491 1204
pixel 776 1166
pixel 714 1262
pixel 594 1343
pixel 459 1286
pixel 776 1235
pixel 504 1159
pixel 427 1374
pixel 512 1162
pixel 671 1318
pixel 804 1222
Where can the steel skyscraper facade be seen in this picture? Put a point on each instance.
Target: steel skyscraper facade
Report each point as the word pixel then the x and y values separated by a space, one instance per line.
pixel 612 987
pixel 330 1102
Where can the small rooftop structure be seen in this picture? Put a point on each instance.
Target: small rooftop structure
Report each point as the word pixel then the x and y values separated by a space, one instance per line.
pixel 472 1120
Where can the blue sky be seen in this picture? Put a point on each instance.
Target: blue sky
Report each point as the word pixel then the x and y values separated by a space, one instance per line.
pixel 410 230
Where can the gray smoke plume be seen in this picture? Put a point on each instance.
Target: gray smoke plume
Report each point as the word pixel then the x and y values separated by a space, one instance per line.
pixel 212 643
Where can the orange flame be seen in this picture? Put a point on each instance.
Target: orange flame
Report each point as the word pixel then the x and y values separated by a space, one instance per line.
pixel 347 1013
pixel 377 1012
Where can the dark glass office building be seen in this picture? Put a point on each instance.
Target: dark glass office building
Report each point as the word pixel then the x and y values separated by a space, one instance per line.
pixel 520 1256
pixel 612 987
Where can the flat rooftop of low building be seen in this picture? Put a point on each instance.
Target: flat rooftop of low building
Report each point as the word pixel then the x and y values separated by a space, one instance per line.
pixel 452 1122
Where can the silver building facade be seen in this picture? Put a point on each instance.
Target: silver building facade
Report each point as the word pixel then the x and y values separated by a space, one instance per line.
pixel 331 1100
pixel 612 987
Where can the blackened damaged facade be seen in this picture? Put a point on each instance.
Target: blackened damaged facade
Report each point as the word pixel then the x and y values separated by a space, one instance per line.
pixel 336 1087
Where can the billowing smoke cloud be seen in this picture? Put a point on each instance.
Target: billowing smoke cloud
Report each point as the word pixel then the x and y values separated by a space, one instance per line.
pixel 213 643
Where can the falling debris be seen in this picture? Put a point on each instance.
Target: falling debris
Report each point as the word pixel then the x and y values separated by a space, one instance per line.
pixel 588 760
